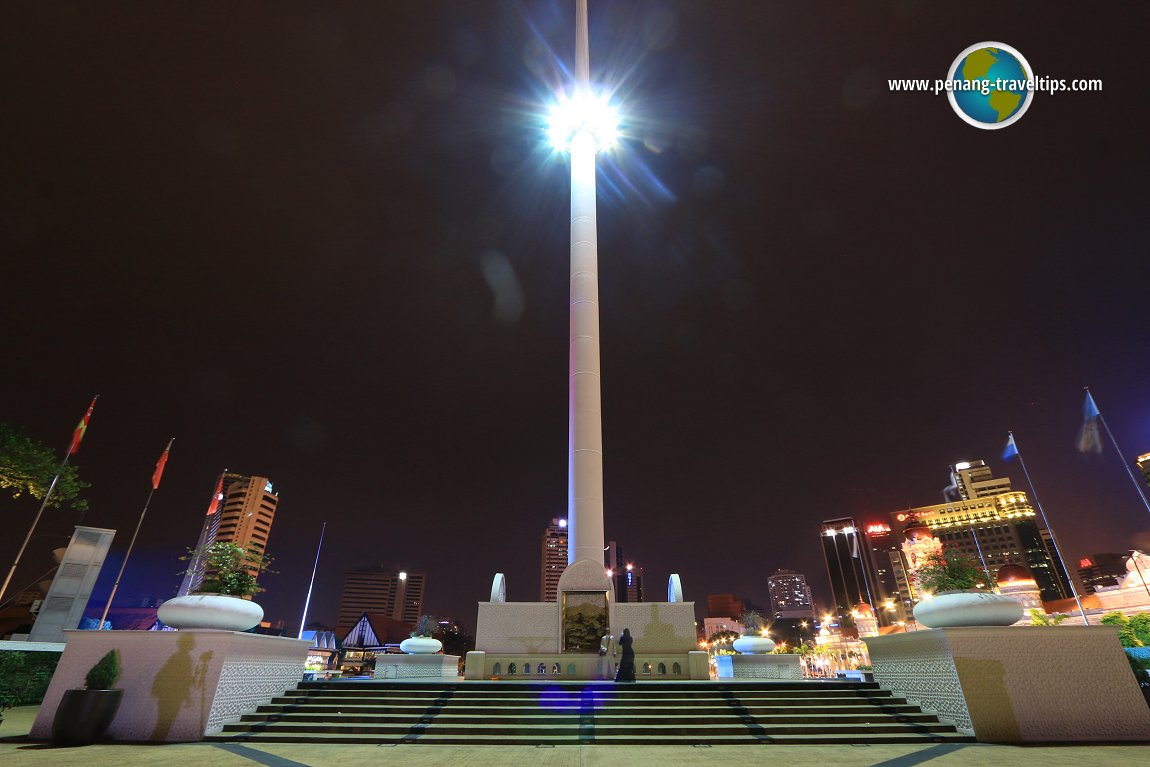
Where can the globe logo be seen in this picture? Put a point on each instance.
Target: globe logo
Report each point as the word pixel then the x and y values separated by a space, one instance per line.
pixel 990 85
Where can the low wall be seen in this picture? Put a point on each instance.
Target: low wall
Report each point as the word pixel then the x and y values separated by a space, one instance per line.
pixel 571 666
pixel 178 685
pixel 1012 684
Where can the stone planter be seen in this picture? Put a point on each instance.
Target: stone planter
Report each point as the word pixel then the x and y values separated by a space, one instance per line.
pixel 83 716
pixel 420 645
pixel 210 611
pixel 950 609
pixel 753 645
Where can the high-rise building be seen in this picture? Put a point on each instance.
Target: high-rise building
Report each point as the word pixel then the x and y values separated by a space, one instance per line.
pixel 241 511
pixel 553 560
pixel 998 527
pixel 384 590
pixel 627 576
pixel 849 568
pixel 974 479
pixel 1099 570
pixel 893 592
pixel 1143 462
pixel 725 606
pixel 790 595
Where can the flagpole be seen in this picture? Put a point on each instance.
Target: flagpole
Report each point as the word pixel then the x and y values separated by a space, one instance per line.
pixel 978 548
pixel 1137 487
pixel 139 523
pixel 47 497
pixel 1049 529
pixel 311 584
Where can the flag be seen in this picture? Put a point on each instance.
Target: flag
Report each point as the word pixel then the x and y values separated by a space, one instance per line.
pixel 217 496
pixel 81 427
pixel 160 464
pixel 1011 449
pixel 1089 438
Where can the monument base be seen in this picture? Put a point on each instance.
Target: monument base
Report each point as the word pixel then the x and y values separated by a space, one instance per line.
pixel 1017 684
pixel 178 685
pixel 416 666
pixel 766 666
pixel 561 640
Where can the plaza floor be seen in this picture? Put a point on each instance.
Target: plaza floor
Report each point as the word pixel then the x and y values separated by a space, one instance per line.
pixel 16 751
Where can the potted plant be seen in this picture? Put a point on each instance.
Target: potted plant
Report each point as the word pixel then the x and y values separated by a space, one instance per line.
pixel 85 713
pixel 421 641
pixel 957 592
pixel 224 598
pixel 755 641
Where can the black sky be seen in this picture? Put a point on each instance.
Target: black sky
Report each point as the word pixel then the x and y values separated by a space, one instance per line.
pixel 264 228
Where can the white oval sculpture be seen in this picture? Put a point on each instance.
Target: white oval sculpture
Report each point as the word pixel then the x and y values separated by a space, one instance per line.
pixel 420 645
pixel 950 609
pixel 210 611
pixel 753 645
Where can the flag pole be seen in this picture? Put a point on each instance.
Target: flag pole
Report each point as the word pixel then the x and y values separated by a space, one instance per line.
pixel 1137 487
pixel 311 584
pixel 1053 538
pixel 139 523
pixel 77 435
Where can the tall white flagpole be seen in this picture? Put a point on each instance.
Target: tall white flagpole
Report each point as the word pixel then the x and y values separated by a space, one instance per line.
pixel 1118 450
pixel 311 583
pixel 132 543
pixel 1046 524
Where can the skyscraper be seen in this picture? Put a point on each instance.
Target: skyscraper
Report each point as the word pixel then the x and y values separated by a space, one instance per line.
pixel 626 576
pixel 790 595
pixel 1143 463
pixel 241 511
pixel 553 560
pixel 987 522
pixel 974 479
pixel 385 590
pixel 849 567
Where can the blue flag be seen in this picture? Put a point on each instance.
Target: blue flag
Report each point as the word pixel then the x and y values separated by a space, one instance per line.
pixel 1011 449
pixel 1089 438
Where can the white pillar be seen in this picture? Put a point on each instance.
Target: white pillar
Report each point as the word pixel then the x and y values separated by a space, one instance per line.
pixel 585 447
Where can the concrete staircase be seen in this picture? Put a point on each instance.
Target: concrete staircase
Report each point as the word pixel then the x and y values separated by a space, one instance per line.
pixel 575 713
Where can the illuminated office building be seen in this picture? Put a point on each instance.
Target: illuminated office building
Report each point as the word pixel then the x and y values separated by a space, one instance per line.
pixel 989 523
pixel 553 560
pixel 849 568
pixel 241 511
pixel 790 595
pixel 626 575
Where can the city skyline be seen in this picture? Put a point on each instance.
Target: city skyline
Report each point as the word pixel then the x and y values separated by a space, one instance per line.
pixel 332 262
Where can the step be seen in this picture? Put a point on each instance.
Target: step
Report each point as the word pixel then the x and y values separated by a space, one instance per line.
pixel 622 740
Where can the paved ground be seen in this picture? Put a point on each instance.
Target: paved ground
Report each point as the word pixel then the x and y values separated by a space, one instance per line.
pixel 17 752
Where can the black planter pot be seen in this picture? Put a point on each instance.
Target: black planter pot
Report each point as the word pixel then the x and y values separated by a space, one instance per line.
pixel 84 716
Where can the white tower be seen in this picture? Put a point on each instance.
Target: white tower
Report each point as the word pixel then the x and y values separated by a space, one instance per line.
pixel 583 125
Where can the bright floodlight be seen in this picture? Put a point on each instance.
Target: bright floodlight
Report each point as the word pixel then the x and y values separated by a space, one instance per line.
pixel 580 113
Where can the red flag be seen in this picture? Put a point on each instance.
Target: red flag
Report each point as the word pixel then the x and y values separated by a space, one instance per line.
pixel 159 472
pixel 216 496
pixel 81 428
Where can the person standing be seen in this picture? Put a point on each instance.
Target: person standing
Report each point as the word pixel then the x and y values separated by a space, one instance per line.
pixel 627 661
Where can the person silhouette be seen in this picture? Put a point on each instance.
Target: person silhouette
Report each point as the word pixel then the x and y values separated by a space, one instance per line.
pixel 627 661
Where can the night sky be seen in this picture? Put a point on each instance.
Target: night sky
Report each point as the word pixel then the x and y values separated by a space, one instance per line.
pixel 329 246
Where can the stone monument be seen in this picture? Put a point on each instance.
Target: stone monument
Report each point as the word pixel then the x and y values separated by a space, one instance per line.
pixel 562 639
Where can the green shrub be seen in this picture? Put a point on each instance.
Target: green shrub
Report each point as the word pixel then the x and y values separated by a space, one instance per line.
pixel 105 673
pixel 24 676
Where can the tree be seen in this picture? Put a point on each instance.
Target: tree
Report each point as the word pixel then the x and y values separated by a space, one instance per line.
pixel 1040 618
pixel 951 570
pixel 26 466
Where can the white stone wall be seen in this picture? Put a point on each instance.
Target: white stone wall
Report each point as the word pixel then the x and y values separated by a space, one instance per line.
pixel 1018 684
pixel 178 685
pixel 518 627
pixel 657 627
